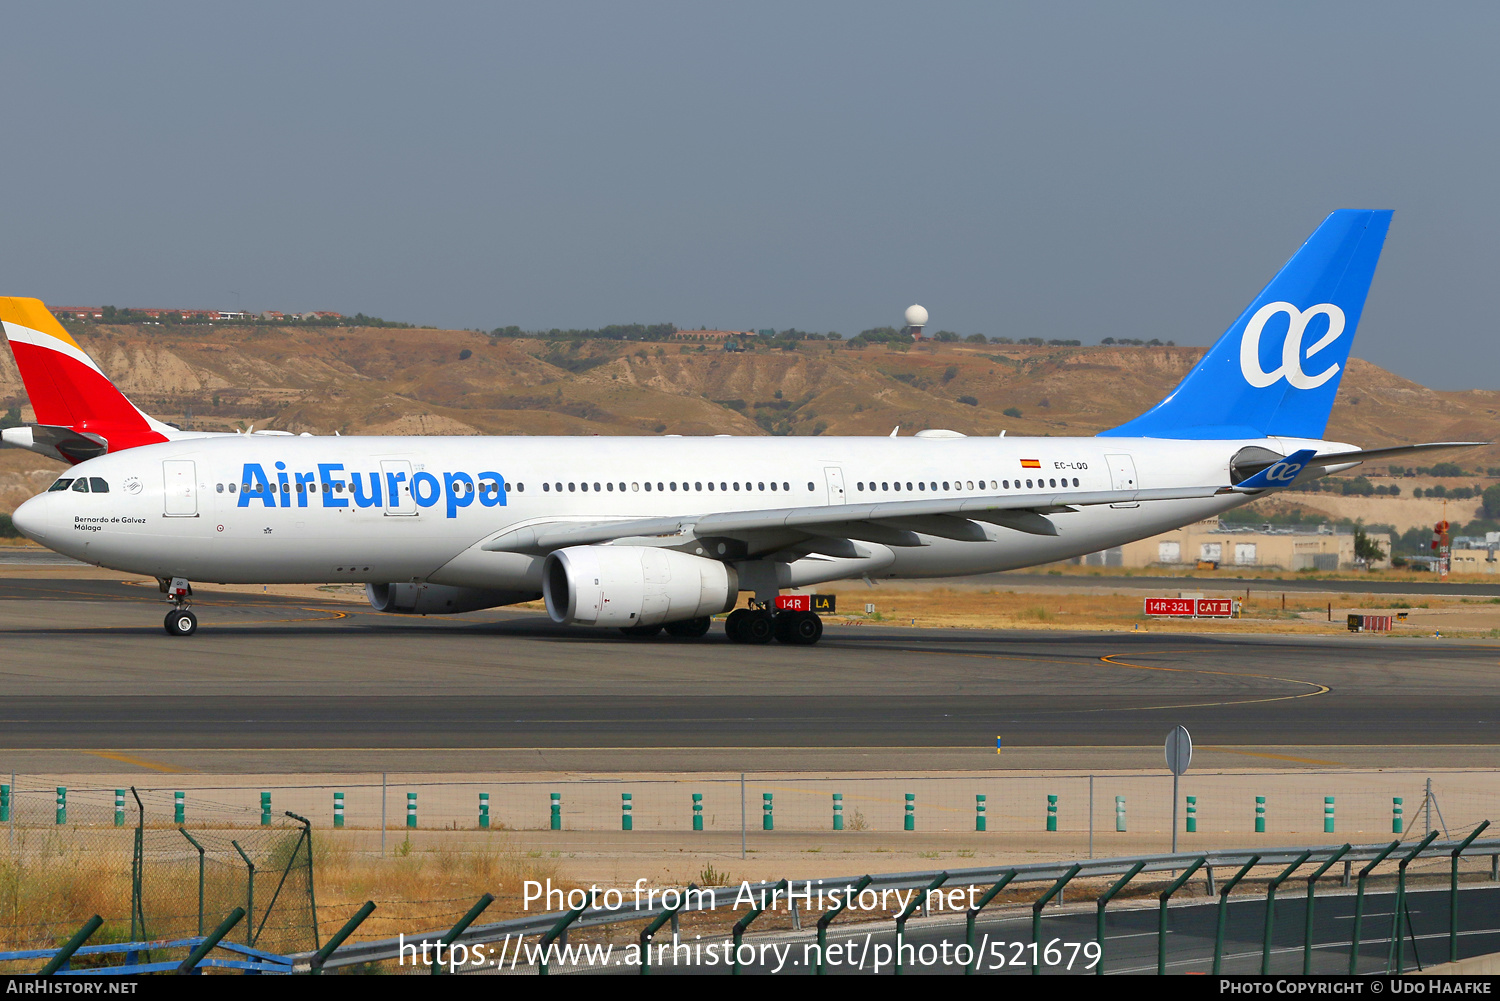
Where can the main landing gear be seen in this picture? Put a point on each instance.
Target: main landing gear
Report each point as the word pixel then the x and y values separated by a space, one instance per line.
pixel 179 621
pixel 757 625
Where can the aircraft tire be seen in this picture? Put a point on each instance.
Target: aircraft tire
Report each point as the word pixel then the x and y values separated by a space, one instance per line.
pixel 180 622
pixel 799 628
pixel 733 622
pixel 640 632
pixel 757 628
pixel 690 629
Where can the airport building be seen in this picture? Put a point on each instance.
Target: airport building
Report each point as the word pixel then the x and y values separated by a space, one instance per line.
pixel 1269 547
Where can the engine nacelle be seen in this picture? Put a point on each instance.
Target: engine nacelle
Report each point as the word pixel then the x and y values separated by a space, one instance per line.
pixel 437 599
pixel 634 586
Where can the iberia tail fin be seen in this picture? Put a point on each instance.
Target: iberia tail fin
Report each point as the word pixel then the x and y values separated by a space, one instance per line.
pixel 79 412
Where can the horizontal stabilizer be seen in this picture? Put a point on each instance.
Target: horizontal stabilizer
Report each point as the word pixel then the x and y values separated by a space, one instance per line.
pixel 1394 452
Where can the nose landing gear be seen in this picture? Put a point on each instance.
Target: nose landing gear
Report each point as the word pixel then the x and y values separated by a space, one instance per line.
pixel 179 621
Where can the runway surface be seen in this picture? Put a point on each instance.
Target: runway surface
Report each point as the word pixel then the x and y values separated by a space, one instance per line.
pixel 86 664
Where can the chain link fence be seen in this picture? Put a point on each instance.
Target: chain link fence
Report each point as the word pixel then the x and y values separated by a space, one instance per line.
pixel 131 857
pixel 1231 804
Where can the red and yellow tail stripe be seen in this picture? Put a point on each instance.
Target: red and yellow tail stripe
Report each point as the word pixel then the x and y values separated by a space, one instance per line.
pixel 66 387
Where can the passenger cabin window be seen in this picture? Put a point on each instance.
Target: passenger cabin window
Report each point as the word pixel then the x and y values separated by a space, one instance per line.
pixel 62 483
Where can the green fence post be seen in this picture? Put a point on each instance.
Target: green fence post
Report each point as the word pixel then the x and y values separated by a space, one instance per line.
pixel 62 955
pixel 560 929
pixel 1051 812
pixel 1396 815
pixel 1453 894
pixel 1265 945
pixel 1359 904
pixel 1192 814
pixel 667 914
pixel 1223 916
pixel 62 804
pixel 1260 815
pixel 910 823
pixel 179 807
pixel 200 849
pixel 981 822
pixel 5 804
pixel 338 809
pixel 207 945
pixel 321 956
pixel 119 808
pixel 1120 813
pixel 484 811
pixel 838 811
pixel 1036 914
pixel 828 916
pixel 697 811
pixel 1161 915
pixel 411 809
pixel 627 818
pixel 248 911
pixel 1103 902
pixel 265 809
pixel 463 923
pixel 973 915
pixel 737 934
pixel 767 814
pixel 556 822
pixel 1307 925
pixel 1399 917
pixel 917 900
pixel 1327 814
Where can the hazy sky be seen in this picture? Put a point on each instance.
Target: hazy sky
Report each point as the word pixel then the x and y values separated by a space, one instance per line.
pixel 1055 170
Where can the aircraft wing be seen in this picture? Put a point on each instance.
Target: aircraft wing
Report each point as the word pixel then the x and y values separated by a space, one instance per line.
pixel 889 522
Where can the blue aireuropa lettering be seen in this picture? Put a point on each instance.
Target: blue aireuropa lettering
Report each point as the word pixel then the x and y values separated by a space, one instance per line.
pixel 331 481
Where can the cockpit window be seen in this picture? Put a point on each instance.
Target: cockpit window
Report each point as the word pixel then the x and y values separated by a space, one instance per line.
pixel 98 484
pixel 62 483
pixel 80 486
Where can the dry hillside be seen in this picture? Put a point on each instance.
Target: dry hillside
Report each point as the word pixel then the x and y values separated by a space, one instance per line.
pixel 379 380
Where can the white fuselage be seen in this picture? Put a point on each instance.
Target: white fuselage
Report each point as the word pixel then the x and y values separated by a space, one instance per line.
pixel 379 510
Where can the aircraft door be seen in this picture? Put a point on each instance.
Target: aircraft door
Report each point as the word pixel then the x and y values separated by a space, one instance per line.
pixel 834 476
pixel 398 499
pixel 1122 475
pixel 180 483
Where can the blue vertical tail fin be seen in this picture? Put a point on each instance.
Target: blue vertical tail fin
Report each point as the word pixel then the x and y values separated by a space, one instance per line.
pixel 1277 369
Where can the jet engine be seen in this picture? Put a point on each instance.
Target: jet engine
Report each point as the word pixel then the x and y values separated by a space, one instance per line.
pixel 438 599
pixel 634 586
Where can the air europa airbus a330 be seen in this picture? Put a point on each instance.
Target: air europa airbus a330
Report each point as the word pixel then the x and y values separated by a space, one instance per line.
pixel 664 532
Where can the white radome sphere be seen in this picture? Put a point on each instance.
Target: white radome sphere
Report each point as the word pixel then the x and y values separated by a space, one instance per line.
pixel 916 316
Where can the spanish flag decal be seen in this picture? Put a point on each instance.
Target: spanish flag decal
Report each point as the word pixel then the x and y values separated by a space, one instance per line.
pixel 1031 464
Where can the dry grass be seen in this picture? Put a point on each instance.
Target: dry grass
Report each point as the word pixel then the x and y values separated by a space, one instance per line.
pixel 421 889
pixel 50 887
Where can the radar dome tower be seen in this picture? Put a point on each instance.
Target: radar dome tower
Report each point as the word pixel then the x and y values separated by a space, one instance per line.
pixel 916 319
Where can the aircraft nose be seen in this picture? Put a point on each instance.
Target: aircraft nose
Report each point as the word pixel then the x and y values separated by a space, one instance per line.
pixel 30 520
